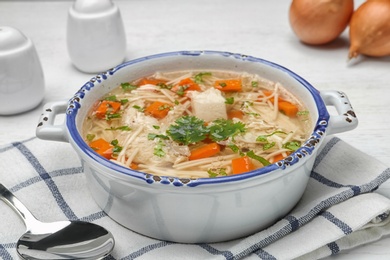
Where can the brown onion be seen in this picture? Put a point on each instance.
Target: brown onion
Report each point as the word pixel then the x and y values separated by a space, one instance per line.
pixel 319 21
pixel 370 29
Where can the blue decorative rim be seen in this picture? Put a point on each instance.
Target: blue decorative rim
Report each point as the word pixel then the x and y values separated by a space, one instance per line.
pixel 306 149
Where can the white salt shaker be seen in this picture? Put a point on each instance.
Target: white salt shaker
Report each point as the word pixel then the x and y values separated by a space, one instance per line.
pixel 22 83
pixel 96 37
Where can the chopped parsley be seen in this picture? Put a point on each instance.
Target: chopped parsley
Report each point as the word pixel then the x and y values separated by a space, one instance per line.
pixel 182 90
pixel 262 160
pixel 303 113
pixel 140 109
pixel 164 86
pixel 114 99
pixel 252 114
pixel 222 84
pixel 263 138
pixel 122 128
pixel 163 107
pixel 268 146
pixel 152 136
pixel 199 77
pixel 112 116
pixel 90 137
pixel 158 149
pixel 111 98
pixel 188 130
pixel 117 148
pixel 229 100
pixel 217 172
pixel 222 129
pixel 250 154
pixel 235 148
pixel 246 104
pixel 128 87
pixel 293 145
pixel 255 84
pixel 124 101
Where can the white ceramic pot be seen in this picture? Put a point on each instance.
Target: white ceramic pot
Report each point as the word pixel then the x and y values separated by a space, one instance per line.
pixel 22 84
pixel 199 210
pixel 95 35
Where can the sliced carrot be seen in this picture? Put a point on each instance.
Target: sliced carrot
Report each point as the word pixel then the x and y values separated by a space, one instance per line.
pixel 268 93
pixel 185 85
pixel 228 85
pixel 288 108
pixel 242 164
pixel 278 157
pixel 134 166
pixel 151 81
pixel 205 151
pixel 107 107
pixel 235 114
pixel 102 147
pixel 158 109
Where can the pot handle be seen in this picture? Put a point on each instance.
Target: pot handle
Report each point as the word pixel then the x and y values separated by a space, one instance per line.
pixel 346 120
pixel 46 128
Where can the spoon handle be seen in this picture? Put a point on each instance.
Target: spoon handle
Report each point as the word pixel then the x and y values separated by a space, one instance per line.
pixel 17 206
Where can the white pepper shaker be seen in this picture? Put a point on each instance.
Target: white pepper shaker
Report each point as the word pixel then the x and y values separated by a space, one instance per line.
pixel 96 37
pixel 22 83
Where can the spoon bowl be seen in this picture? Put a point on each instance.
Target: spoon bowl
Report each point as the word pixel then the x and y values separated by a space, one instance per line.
pixel 58 240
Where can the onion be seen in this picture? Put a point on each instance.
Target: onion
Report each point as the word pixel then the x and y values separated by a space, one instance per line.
pixel 319 21
pixel 370 29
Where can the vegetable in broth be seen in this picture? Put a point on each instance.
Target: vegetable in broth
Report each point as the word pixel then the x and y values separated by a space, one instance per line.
pixel 197 124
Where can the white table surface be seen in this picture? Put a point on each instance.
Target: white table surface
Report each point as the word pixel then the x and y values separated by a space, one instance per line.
pixel 252 27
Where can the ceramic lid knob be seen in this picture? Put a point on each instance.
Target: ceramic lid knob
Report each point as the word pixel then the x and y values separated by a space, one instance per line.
pixel 96 37
pixel 21 76
pixel 92 6
pixel 11 39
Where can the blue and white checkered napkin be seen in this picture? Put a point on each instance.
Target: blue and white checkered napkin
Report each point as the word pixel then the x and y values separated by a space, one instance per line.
pixel 338 210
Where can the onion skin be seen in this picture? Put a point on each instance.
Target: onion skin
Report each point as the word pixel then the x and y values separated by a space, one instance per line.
pixel 370 29
pixel 319 21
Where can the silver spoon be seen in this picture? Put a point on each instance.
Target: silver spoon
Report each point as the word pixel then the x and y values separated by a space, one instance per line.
pixel 58 240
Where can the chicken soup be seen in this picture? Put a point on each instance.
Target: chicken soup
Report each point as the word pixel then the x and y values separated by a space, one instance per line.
pixel 197 124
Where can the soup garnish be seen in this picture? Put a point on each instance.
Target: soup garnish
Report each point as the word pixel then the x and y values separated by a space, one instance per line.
pixel 197 124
